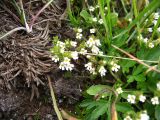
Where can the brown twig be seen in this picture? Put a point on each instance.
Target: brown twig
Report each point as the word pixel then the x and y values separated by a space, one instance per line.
pixel 151 68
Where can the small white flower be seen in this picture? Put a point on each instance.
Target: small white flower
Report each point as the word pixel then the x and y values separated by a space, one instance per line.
pixel 97 42
pixel 151 45
pixel 158 85
pixel 156 16
pixel 88 56
pixel 130 19
pixel 79 30
pixel 95 49
pixel 83 51
pixel 102 71
pixel 158 29
pixel 92 30
pixel 115 67
pixel 150 30
pixel 55 58
pixel 154 22
pixel 144 116
pixel 131 99
pixel 92 71
pixel 100 21
pixel 155 100
pixel 140 37
pixel 91 8
pixel 61 44
pixel 119 90
pixel 106 8
pixel 66 65
pixel 90 42
pixel 73 43
pixel 128 118
pixel 78 35
pixel 142 98
pixel 62 50
pixel 97 6
pixel 74 55
pixel 94 19
pixel 88 66
pixel 145 40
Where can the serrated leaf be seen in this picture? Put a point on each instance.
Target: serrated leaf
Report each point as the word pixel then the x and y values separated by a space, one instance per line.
pixel 114 18
pixel 124 107
pixel 96 89
pixel 100 110
pixel 130 79
pixel 138 70
pixel 140 78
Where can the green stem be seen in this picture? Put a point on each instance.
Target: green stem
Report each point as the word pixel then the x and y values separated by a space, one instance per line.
pixel 54 99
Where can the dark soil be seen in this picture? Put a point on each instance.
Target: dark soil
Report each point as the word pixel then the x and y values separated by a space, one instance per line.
pixel 25 62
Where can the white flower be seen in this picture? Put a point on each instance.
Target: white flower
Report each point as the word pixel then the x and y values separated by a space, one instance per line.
pixel 95 49
pixel 145 40
pixel 90 42
pixel 150 30
pixel 91 8
pixel 130 19
pixel 131 99
pixel 88 56
pixel 119 90
pixel 88 66
pixel 83 51
pixel 74 55
pixel 106 8
pixel 92 71
pixel 100 21
pixel 142 98
pixel 144 116
pixel 158 29
pixel 154 22
pixel 78 35
pixel 79 30
pixel 94 19
pixel 55 58
pixel 61 44
pixel 140 37
pixel 92 30
pixel 73 43
pixel 62 50
pixel 66 65
pixel 151 45
pixel 97 42
pixel 115 67
pixel 155 100
pixel 158 85
pixel 97 6
pixel 128 118
pixel 156 16
pixel 102 71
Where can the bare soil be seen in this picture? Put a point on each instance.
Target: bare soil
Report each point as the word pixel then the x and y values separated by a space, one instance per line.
pixel 25 61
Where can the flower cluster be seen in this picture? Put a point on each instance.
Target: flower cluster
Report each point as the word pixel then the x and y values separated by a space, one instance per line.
pixel 132 99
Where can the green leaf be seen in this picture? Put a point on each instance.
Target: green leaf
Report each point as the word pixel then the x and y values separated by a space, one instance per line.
pixel 100 110
pixel 123 107
pixel 86 16
pixel 138 70
pixel 157 112
pixel 140 78
pixel 130 78
pixel 95 89
pixel 114 18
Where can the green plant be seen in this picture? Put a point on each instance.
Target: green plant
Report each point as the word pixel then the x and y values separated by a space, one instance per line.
pixel 123 43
